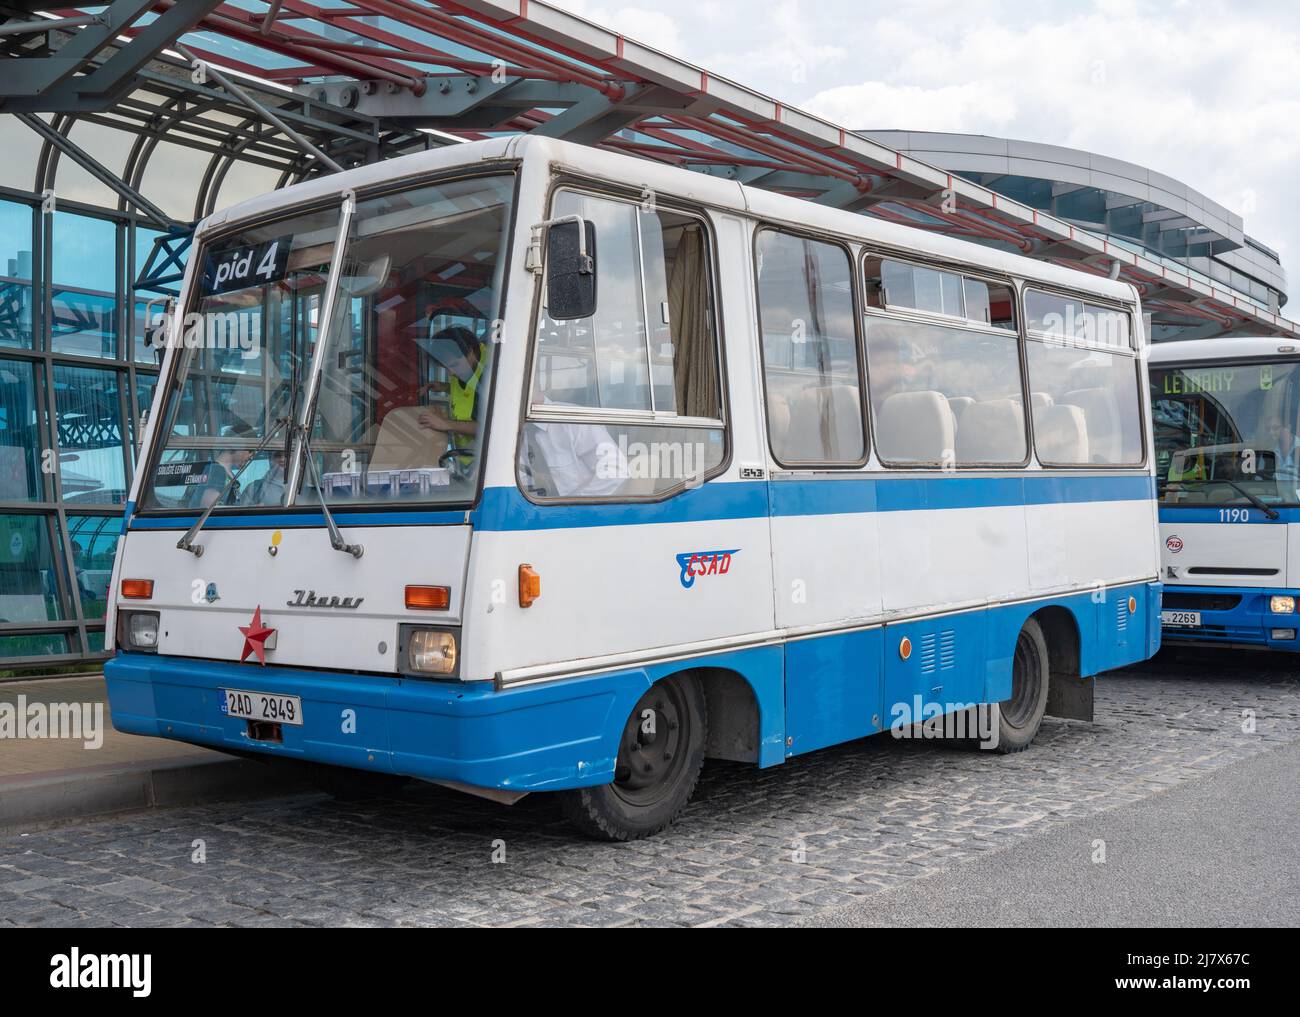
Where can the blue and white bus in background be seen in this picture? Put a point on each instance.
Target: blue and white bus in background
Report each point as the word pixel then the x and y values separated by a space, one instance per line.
pixel 1226 413
pixel 539 468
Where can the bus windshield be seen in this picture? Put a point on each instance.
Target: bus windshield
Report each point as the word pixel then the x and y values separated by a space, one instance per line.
pixel 404 374
pixel 1227 433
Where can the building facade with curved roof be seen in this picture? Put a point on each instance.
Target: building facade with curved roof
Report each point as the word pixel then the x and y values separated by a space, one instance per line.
pixel 1130 206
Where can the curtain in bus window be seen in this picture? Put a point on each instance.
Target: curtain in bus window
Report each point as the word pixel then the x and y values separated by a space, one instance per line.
pixel 1086 405
pixel 810 359
pixel 688 304
pixel 943 394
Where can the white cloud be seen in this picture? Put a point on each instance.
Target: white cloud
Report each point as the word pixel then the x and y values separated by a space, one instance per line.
pixel 652 28
pixel 791 48
pixel 874 104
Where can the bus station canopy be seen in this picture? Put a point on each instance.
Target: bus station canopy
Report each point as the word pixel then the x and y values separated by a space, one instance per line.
pixel 300 89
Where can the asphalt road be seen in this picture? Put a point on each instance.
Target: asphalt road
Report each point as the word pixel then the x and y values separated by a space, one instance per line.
pixel 1217 852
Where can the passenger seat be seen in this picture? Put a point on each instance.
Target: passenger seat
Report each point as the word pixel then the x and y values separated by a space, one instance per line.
pixel 1101 417
pixel 915 427
pixel 1061 434
pixel 826 424
pixel 992 432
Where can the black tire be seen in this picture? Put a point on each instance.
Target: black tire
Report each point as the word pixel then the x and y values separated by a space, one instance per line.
pixel 348 785
pixel 1020 715
pixel 656 770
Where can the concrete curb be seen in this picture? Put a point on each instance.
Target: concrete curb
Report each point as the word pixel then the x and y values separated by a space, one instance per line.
pixel 95 792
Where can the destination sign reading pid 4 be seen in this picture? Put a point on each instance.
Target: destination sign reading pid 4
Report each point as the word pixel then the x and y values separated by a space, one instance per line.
pixel 240 267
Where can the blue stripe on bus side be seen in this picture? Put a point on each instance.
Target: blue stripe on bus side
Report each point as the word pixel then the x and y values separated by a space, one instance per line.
pixel 506 509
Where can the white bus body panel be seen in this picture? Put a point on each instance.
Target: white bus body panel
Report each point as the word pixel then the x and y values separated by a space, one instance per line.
pixel 247 576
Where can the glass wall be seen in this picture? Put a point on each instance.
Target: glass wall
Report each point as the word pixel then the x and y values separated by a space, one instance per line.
pixel 15 274
pixel 75 382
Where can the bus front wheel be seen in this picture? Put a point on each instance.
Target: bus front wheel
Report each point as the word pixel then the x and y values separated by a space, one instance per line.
pixel 1020 715
pixel 660 757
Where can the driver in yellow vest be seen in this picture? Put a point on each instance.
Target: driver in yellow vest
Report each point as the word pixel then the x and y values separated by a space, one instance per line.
pixel 459 351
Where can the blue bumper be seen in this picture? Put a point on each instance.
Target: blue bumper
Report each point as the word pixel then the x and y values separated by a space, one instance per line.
pixel 539 738
pixel 1232 616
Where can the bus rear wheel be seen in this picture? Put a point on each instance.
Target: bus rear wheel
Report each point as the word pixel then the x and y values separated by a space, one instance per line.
pixel 660 757
pixel 1020 715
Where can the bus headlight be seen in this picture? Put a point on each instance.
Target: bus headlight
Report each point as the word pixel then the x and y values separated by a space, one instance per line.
pixel 1281 605
pixel 138 631
pixel 430 651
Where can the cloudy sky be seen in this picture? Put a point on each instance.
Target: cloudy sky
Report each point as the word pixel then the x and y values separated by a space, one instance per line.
pixel 1206 92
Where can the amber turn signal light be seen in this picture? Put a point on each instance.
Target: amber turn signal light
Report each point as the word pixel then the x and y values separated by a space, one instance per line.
pixel 530 585
pixel 428 598
pixel 137 589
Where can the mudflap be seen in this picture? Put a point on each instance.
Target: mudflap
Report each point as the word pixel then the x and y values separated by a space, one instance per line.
pixel 1070 697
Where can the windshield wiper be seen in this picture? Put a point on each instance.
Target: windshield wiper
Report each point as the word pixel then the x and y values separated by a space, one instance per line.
pixel 1259 503
pixel 301 459
pixel 186 543
pixel 336 538
pixel 1255 500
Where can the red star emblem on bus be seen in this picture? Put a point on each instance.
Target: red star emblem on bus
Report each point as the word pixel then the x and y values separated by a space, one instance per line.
pixel 255 637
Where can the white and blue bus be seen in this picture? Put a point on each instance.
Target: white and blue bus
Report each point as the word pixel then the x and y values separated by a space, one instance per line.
pixel 1226 412
pixel 533 467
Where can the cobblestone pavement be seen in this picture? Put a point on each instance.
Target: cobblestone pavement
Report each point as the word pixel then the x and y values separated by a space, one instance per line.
pixel 754 848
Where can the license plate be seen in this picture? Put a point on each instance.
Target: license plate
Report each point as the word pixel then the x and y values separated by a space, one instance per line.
pixel 261 706
pixel 1181 619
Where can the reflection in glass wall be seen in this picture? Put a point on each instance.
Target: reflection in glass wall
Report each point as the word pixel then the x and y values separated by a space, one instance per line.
pixel 38 644
pixel 83 285
pixel 146 306
pixel 19 443
pixel 29 588
pixel 15 275
pixel 94 542
pixel 93 261
pixel 91 467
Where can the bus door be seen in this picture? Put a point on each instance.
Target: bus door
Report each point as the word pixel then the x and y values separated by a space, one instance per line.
pixel 823 527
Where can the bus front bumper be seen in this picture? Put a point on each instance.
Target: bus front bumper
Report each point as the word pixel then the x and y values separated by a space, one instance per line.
pixel 1232 616
pixel 545 737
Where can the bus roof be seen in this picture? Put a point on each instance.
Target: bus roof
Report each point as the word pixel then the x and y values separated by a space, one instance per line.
pixel 672 180
pixel 1227 348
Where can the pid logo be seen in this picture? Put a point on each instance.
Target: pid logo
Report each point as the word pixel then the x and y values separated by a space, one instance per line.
pixel 242 267
pixel 1175 544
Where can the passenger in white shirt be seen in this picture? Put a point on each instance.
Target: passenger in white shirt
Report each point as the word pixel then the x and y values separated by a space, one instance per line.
pixel 569 460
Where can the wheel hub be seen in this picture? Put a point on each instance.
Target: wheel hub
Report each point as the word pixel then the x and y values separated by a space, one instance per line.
pixel 650 753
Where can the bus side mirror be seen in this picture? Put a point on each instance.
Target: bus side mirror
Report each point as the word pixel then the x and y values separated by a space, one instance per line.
pixel 571 269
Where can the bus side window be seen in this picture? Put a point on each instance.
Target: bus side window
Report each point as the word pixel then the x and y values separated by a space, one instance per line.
pixel 649 350
pixel 947 391
pixel 1083 376
pixel 811 366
